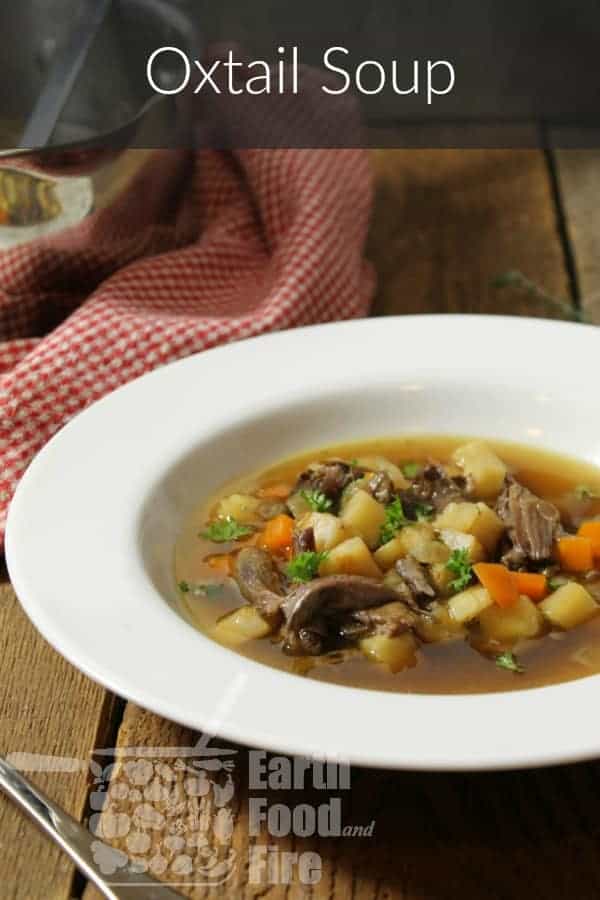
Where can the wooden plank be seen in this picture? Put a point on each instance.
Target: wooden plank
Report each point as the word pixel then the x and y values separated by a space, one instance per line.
pixel 446 224
pixel 578 176
pixel 505 836
pixel 46 707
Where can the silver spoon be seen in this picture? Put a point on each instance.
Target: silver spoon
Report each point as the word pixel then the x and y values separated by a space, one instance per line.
pixel 77 841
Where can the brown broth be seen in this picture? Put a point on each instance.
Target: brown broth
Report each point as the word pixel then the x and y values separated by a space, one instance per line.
pixel 442 668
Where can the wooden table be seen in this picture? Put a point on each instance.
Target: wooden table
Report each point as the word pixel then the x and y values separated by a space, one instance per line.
pixel 446 224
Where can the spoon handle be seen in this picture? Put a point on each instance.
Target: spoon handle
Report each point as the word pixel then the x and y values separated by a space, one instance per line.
pixel 77 841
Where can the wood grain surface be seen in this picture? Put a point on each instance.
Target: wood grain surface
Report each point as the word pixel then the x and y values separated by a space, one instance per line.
pixel 446 225
pixel 48 708
pixel 578 176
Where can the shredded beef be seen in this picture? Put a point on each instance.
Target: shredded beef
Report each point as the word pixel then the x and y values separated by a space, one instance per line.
pixel 435 488
pixel 415 576
pixel 532 524
pixel 381 487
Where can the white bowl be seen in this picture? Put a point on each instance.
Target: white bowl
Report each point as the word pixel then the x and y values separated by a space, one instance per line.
pixel 92 526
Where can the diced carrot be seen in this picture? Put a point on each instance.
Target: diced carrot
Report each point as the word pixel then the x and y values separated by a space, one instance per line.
pixel 499 582
pixel 276 491
pixel 575 553
pixel 278 533
pixel 222 563
pixel 591 530
pixel 531 584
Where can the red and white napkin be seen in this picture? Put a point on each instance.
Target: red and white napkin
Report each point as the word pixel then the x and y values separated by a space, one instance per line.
pixel 205 248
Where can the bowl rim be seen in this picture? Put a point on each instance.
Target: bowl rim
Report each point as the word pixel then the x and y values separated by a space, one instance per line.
pixel 38 566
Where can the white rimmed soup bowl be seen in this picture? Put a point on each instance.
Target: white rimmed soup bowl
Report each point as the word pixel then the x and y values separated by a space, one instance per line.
pixel 93 525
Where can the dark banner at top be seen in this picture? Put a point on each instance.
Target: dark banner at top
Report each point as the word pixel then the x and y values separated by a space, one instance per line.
pixel 178 73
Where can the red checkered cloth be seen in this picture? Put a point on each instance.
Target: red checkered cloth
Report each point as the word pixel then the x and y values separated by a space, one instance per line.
pixel 204 249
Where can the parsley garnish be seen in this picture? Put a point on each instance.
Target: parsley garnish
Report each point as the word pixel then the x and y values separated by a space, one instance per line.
pixel 411 469
pixel 305 566
pixel 508 661
pixel 395 519
pixel 583 492
pixel 424 512
pixel 226 529
pixel 317 500
pixel 460 565
pixel 183 587
pixel 555 583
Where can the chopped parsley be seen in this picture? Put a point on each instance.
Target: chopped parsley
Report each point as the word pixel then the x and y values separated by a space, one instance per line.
pixel 460 565
pixel 227 529
pixel 424 512
pixel 305 566
pixel 508 661
pixel 205 590
pixel 411 469
pixel 583 492
pixel 317 500
pixel 395 519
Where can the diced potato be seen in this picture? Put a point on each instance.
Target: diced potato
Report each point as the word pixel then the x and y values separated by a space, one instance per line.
pixel 351 557
pixel 388 553
pixel 472 518
pixel 435 553
pixel 440 577
pixel 241 625
pixel 359 484
pixel 483 466
pixel 421 542
pixel 513 623
pixel 457 540
pixel 363 516
pixel 457 517
pixel 469 604
pixel 381 464
pixel 438 625
pixel 569 605
pixel 327 528
pixel 241 507
pixel 298 505
pixel 397 653
pixel 488 527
